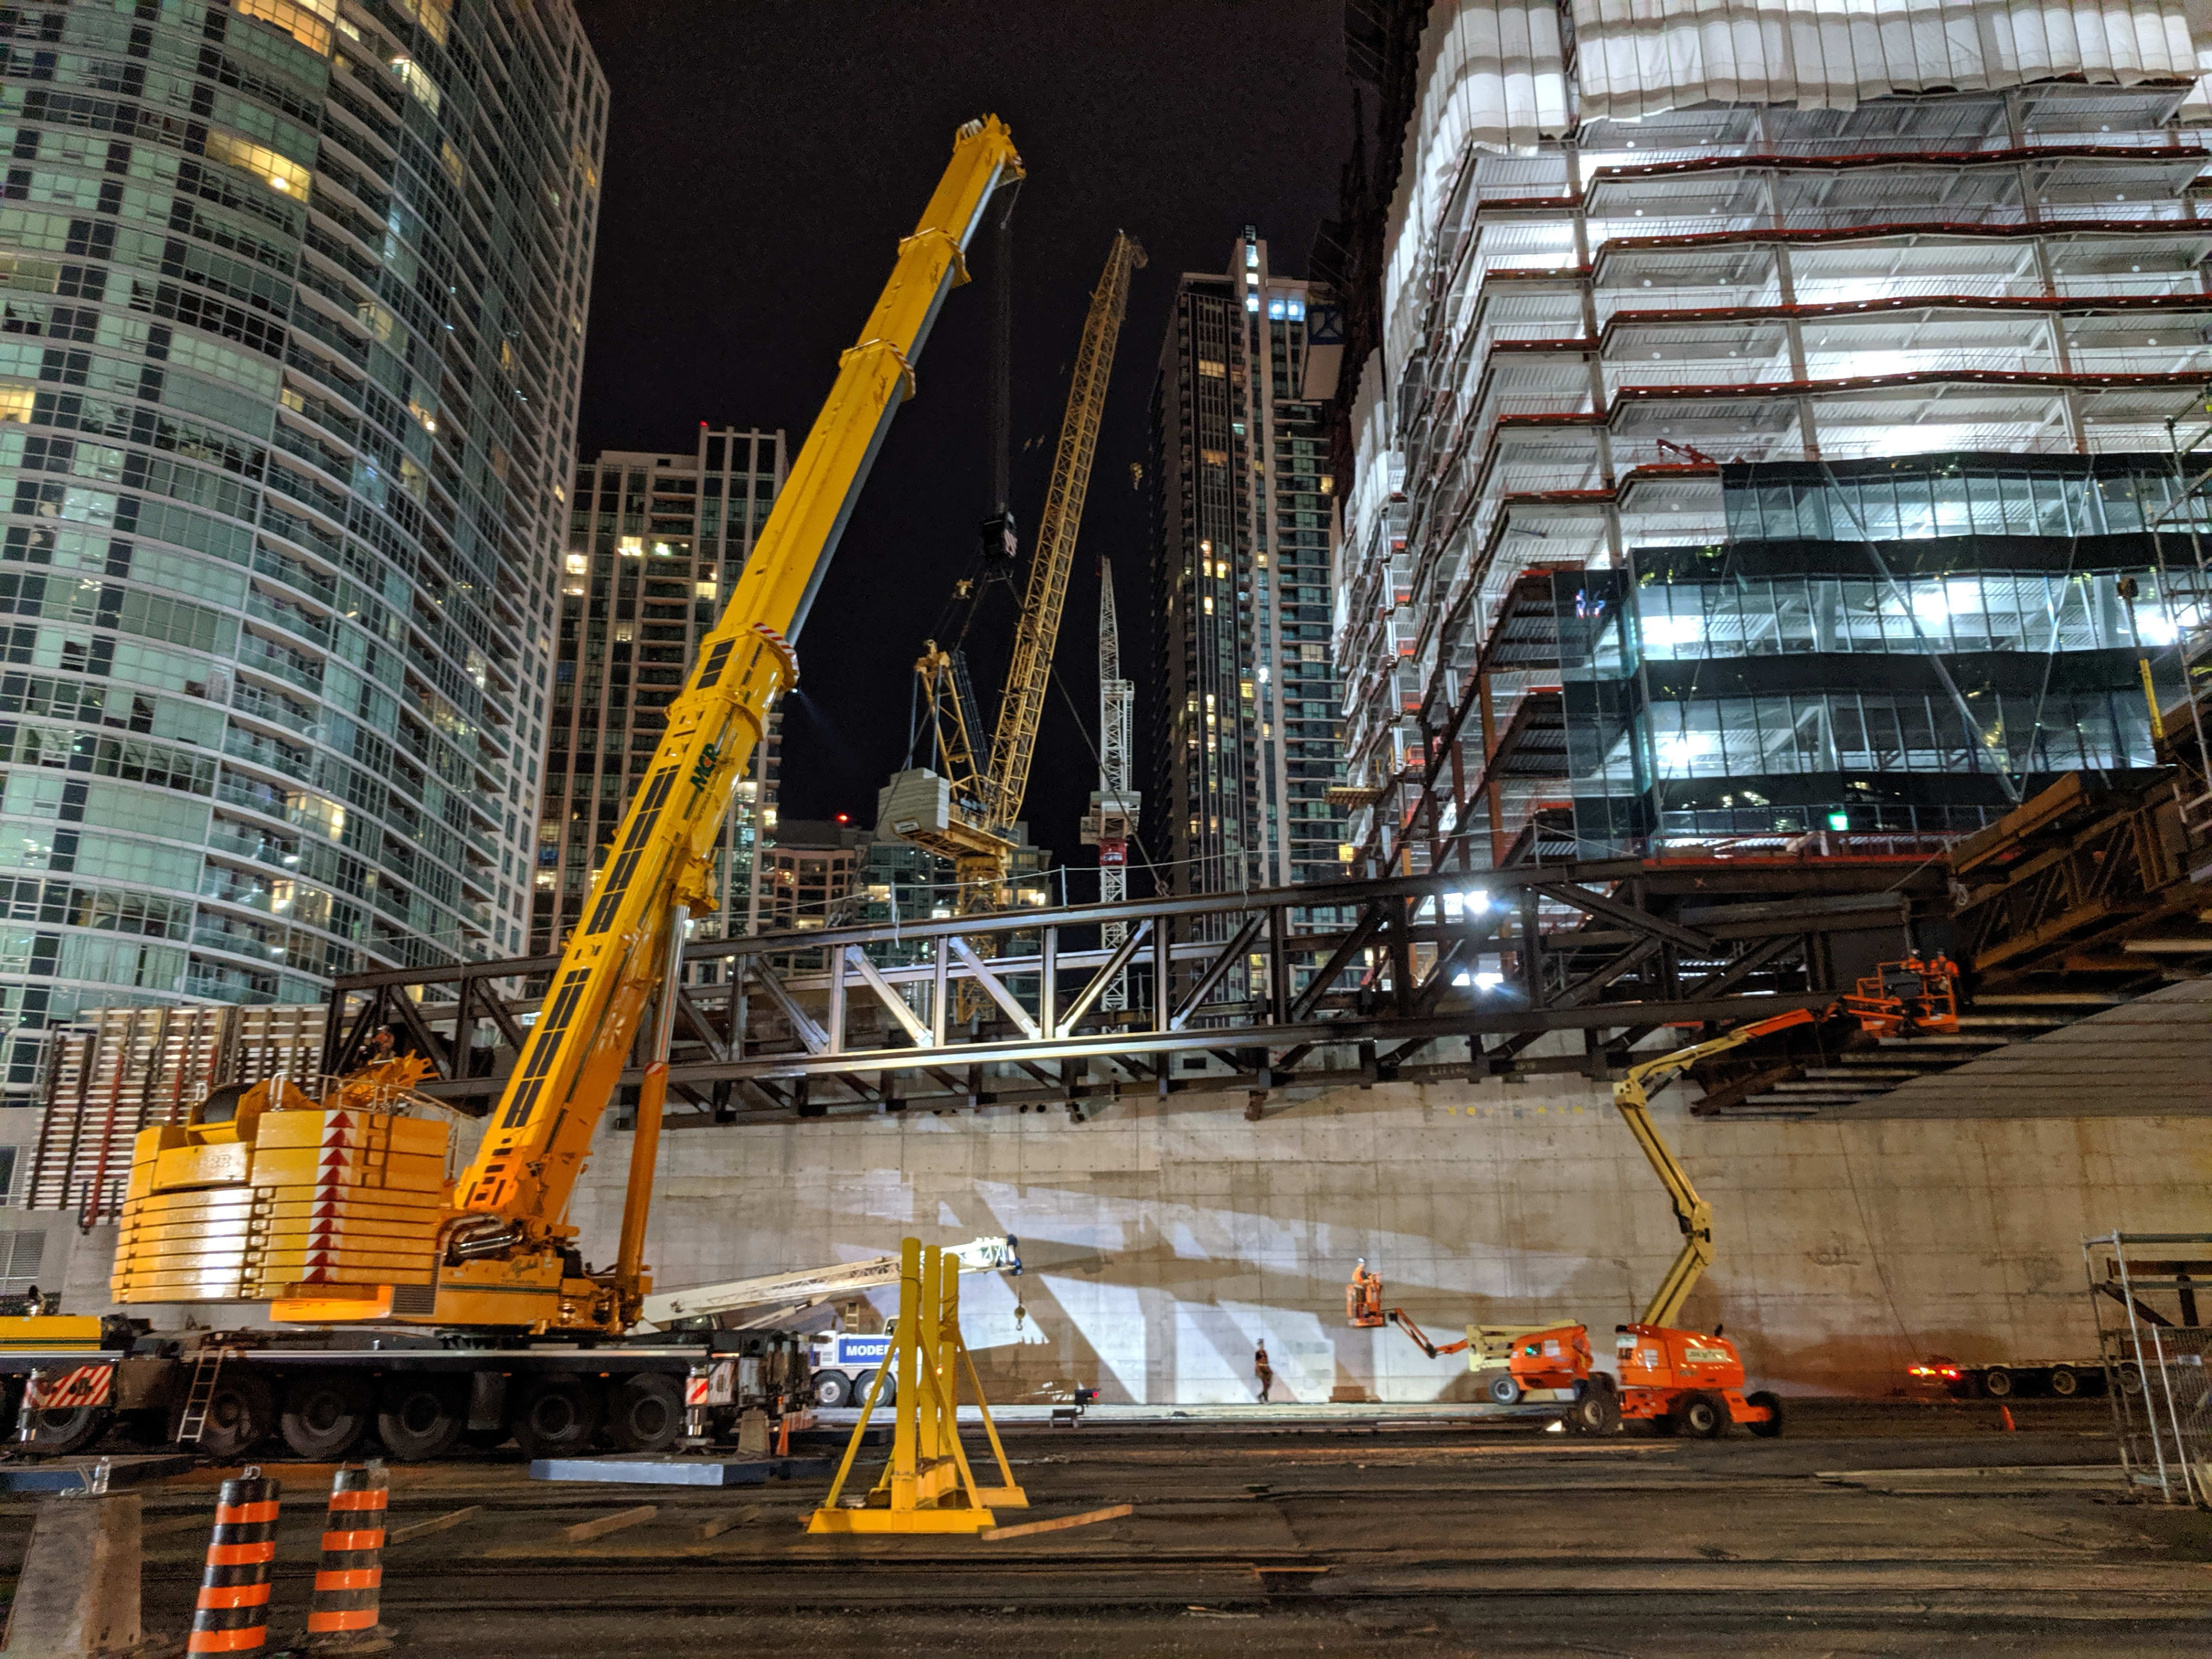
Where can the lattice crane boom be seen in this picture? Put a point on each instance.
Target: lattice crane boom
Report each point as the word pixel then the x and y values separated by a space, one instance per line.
pixel 1021 708
pixel 966 812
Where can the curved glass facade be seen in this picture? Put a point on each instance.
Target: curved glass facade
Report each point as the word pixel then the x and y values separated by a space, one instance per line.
pixel 292 296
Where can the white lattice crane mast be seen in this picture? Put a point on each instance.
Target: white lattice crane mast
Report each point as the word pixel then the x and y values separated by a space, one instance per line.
pixel 1111 824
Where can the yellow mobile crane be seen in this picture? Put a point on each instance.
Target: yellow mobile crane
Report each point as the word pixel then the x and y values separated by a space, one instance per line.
pixel 965 811
pixel 337 1211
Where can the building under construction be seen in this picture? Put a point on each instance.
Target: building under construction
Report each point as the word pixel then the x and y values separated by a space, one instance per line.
pixel 1785 452
pixel 1753 983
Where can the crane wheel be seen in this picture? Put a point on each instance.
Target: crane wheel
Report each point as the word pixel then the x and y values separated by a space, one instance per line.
pixel 866 1380
pixel 557 1416
pixel 58 1431
pixel 1773 1425
pixel 420 1417
pixel 240 1414
pixel 645 1413
pixel 832 1388
pixel 1705 1416
pixel 323 1416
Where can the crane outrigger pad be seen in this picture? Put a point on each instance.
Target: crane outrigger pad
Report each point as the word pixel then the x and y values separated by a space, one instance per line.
pixel 679 1469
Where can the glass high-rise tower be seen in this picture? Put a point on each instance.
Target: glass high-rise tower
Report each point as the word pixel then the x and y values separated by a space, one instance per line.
pixel 293 297
pixel 1246 739
pixel 656 544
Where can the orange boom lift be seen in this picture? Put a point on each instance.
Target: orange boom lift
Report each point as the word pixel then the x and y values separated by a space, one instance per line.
pixel 1680 1380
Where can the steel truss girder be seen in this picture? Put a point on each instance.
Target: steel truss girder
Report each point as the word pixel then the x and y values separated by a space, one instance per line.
pixel 1587 947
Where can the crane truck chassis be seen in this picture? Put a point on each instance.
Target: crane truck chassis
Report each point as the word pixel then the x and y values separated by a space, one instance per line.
pixel 226 1392
pixel 711 1363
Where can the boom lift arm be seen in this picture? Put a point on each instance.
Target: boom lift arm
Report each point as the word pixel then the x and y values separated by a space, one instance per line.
pixel 1912 995
pixel 1631 1097
pixel 780 1295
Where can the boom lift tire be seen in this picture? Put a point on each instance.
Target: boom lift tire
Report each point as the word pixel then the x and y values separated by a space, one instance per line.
pixel 557 1417
pixel 241 1413
pixel 645 1413
pixel 1596 1409
pixel 420 1417
pixel 1503 1389
pixel 1772 1427
pixel 323 1415
pixel 1705 1416
pixel 832 1388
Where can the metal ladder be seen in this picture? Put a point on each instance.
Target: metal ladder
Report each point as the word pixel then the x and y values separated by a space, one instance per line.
pixel 206 1369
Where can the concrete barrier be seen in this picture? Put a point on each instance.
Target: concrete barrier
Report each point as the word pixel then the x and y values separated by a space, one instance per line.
pixel 78 1593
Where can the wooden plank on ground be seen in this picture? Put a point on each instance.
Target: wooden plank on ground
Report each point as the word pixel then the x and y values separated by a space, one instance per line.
pixel 583 1531
pixel 1061 1524
pixel 722 1523
pixel 438 1523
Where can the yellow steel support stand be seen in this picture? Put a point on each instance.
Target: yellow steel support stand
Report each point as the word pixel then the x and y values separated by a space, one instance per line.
pixel 926 1486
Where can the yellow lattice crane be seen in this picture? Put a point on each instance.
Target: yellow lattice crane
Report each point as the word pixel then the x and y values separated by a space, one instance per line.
pixel 337 1215
pixel 964 810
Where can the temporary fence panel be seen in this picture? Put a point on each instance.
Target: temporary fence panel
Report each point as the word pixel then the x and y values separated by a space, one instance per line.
pixel 118 1070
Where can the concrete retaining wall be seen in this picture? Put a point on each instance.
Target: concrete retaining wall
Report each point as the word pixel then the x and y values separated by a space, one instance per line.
pixel 1163 1243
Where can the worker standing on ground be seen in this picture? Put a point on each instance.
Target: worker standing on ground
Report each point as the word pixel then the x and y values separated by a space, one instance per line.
pixel 1263 1370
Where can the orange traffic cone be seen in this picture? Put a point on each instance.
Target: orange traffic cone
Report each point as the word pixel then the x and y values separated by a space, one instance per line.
pixel 2005 1413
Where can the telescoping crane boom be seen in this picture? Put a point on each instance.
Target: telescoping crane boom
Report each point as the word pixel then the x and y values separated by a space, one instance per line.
pixel 967 813
pixel 325 1214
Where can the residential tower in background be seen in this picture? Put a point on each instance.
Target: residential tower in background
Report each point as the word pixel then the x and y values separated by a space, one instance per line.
pixel 1246 700
pixel 295 307
pixel 655 545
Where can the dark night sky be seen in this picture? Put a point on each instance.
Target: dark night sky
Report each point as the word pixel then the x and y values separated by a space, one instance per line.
pixel 763 159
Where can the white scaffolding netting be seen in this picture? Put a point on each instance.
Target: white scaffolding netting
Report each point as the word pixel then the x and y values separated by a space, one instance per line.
pixel 1492 75
pixel 1638 57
